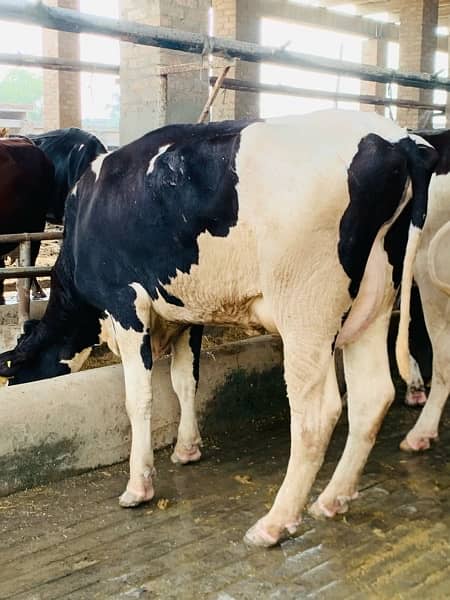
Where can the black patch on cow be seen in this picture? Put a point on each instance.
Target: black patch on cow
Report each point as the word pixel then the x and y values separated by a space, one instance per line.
pixel 146 351
pixel 395 243
pixel 71 151
pixel 440 140
pixel 376 182
pixel 195 343
pixel 421 161
pixel 149 222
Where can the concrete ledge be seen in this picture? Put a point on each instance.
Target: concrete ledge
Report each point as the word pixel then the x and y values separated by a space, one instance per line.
pixel 57 427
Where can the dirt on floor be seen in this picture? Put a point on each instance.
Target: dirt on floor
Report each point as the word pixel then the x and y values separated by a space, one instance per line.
pixel 70 540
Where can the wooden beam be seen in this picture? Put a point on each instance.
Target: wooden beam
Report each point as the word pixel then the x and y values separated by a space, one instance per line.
pixel 57 64
pixel 239 85
pixel 172 39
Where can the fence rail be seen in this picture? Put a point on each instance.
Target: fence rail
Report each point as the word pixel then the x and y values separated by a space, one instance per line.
pixel 25 271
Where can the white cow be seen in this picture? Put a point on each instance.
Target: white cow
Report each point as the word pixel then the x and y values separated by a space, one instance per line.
pixel 432 274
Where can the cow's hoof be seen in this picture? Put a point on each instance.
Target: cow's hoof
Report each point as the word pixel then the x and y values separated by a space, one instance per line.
pixel 327 510
pixel 260 536
pixel 417 443
pixel 415 398
pixel 132 497
pixel 182 455
pixel 2 301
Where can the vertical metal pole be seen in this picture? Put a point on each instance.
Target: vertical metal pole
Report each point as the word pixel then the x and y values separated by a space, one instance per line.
pixel 23 284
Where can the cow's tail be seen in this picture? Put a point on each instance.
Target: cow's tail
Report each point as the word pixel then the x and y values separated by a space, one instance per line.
pixel 421 159
pixel 439 247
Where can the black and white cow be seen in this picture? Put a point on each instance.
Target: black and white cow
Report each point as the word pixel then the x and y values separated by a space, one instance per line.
pixel 432 274
pixel 293 225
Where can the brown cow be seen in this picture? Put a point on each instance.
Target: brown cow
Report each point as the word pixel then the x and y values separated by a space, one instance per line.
pixel 26 183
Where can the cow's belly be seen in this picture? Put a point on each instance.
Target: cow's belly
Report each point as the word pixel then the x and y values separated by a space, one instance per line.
pixel 223 288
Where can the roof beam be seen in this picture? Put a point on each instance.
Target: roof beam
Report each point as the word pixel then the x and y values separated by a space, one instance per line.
pixel 328 19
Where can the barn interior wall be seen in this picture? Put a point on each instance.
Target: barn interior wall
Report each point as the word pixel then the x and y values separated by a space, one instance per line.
pixel 149 100
pixel 418 45
pixel 62 90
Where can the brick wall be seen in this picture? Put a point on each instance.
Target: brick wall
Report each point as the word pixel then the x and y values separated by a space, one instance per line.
pixel 236 19
pixel 147 99
pixel 418 43
pixel 374 53
pixel 62 90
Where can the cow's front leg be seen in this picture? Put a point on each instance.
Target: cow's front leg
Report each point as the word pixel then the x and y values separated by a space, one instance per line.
pixel 370 393
pixel 315 408
pixel 135 353
pixel 184 374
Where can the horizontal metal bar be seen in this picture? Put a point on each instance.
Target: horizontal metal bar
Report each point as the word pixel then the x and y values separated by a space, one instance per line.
pixel 240 85
pixel 19 272
pixel 64 19
pixel 57 64
pixel 8 238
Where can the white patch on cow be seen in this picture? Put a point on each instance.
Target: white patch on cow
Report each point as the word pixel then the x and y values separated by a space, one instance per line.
pixel 438 259
pixel 184 384
pixel 80 147
pixel 77 361
pixel 96 165
pixel 419 140
pixel 108 334
pixel 402 343
pixel 151 164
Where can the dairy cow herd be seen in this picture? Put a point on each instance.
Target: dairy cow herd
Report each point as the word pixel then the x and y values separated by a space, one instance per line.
pixel 308 227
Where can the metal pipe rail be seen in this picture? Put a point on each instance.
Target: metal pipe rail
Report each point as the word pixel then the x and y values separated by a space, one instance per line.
pixel 8 238
pixel 36 13
pixel 24 271
pixel 241 85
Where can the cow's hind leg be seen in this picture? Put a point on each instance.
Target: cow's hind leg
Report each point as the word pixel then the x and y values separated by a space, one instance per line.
pixel 427 425
pixel 184 373
pixel 315 408
pixel 370 393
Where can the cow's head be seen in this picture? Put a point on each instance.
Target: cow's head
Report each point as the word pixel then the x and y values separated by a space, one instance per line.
pixel 38 356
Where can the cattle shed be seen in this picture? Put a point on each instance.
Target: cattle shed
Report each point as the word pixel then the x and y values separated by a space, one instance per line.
pixel 64 442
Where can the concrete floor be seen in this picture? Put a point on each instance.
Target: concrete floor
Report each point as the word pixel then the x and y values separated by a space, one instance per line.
pixel 71 540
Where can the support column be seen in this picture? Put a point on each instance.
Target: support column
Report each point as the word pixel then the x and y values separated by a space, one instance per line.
pixel 374 53
pixel 447 112
pixel 236 19
pixel 62 90
pixel 149 99
pixel 418 44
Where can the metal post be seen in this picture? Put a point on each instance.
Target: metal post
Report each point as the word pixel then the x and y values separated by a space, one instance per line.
pixel 24 284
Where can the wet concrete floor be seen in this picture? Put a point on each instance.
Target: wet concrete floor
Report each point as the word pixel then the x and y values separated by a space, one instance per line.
pixel 71 539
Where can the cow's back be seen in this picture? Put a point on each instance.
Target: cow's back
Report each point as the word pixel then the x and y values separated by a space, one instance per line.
pixel 26 178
